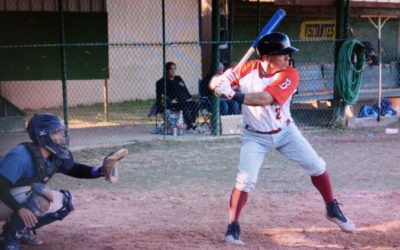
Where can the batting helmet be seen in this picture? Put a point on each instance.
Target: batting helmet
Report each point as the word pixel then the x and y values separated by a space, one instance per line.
pixel 48 130
pixel 275 44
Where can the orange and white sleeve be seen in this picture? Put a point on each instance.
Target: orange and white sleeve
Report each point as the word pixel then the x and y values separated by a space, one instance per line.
pixel 284 86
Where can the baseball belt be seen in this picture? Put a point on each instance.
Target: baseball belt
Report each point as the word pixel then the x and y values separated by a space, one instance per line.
pixel 267 132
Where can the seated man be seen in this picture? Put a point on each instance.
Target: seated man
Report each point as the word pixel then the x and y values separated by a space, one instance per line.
pixel 178 96
pixel 228 107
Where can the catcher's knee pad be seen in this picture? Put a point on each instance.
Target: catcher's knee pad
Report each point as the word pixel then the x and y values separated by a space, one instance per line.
pixel 60 214
pixel 68 206
pixel 243 183
pixel 38 202
pixel 39 199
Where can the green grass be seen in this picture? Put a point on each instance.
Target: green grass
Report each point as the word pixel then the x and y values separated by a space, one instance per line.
pixel 123 113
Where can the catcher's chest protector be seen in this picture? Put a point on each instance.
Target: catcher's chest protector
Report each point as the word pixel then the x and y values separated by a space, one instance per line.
pixel 43 170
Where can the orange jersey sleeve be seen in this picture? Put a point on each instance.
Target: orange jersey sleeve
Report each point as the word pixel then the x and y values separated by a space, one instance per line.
pixel 244 70
pixel 283 87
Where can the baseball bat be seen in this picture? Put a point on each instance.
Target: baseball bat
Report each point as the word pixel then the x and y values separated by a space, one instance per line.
pixel 268 28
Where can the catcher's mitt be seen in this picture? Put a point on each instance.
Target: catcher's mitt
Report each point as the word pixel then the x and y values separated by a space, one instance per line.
pixel 109 169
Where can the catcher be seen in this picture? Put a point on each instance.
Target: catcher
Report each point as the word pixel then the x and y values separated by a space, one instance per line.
pixel 26 203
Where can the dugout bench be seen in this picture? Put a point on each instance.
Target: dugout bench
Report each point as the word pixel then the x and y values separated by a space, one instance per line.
pixel 317 80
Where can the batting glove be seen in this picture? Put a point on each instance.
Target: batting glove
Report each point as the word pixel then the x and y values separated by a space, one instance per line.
pixel 224 90
pixel 229 75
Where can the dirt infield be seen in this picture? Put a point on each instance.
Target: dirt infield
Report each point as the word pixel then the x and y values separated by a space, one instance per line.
pixel 175 195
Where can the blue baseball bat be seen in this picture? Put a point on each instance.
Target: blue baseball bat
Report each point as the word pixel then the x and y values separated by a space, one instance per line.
pixel 271 25
pixel 268 28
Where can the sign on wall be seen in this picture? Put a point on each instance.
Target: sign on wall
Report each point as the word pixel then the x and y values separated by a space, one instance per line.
pixel 318 30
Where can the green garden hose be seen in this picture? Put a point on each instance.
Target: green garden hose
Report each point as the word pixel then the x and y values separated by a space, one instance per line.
pixel 351 60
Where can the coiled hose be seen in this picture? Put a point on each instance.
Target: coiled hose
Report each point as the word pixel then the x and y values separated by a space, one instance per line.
pixel 351 61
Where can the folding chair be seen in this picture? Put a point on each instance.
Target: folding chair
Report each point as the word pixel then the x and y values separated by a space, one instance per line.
pixel 204 104
pixel 159 116
pixel 154 111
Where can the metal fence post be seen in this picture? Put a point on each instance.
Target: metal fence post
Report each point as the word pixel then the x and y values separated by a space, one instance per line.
pixel 215 118
pixel 63 69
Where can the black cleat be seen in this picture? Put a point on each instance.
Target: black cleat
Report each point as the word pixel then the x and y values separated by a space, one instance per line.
pixel 232 234
pixel 333 213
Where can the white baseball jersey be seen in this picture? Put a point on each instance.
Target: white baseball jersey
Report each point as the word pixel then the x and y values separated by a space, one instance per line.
pixel 281 85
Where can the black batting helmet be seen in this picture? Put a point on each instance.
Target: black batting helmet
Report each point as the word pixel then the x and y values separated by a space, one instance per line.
pixel 275 44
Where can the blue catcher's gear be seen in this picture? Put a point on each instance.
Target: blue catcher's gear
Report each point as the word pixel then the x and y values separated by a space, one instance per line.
pixel 275 44
pixel 38 202
pixel 48 130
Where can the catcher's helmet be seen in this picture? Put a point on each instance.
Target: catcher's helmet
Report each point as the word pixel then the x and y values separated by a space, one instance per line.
pixel 47 130
pixel 275 44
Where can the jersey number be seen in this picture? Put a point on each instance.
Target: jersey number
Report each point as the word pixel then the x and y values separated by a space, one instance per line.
pixel 278 113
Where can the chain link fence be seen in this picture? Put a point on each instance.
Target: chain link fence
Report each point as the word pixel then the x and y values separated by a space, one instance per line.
pixel 115 51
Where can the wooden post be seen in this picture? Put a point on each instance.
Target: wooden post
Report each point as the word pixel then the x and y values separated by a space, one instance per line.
pixel 379 25
pixel 106 118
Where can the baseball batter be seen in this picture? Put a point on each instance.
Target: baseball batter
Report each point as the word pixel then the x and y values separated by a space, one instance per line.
pixel 266 87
